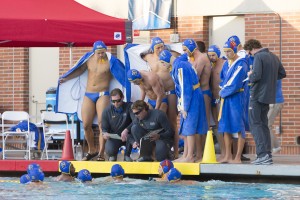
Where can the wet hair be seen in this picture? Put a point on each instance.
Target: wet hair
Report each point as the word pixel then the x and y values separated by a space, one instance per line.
pixel 117 91
pixel 201 46
pixel 140 105
pixel 252 44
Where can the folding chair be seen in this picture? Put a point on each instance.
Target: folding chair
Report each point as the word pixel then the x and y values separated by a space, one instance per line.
pixel 13 117
pixel 55 126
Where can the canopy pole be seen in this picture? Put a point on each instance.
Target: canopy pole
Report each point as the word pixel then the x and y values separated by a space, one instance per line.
pixel 70 45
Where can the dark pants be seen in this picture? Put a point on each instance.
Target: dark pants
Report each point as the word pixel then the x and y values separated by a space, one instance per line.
pixel 112 147
pixel 162 147
pixel 258 118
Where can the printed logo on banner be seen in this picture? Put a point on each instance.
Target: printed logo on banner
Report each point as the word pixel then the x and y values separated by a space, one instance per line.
pixel 117 36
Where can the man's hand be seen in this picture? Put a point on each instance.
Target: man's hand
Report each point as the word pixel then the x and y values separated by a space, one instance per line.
pixel 135 145
pixel 154 137
pixel 106 136
pixel 184 114
pixel 62 80
pixel 249 73
pixel 124 135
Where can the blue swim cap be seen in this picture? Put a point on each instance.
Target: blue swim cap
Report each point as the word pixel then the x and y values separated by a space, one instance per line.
pixel 155 41
pixel 133 74
pixel 65 166
pixel 235 39
pixel 174 175
pixel 190 44
pixel 230 45
pixel 25 179
pixel 36 174
pixel 214 49
pixel 32 166
pixel 84 175
pixel 117 171
pixel 99 45
pixel 165 56
pixel 166 165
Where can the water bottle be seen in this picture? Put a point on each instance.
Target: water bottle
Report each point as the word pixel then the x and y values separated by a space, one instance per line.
pixel 78 152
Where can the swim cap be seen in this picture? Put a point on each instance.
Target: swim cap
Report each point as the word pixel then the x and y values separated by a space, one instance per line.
pixel 190 44
pixel 84 175
pixel 36 174
pixel 25 179
pixel 65 166
pixel 155 41
pixel 42 176
pixel 230 45
pixel 32 166
pixel 166 165
pixel 117 171
pixel 235 39
pixel 174 175
pixel 99 45
pixel 165 56
pixel 214 49
pixel 133 75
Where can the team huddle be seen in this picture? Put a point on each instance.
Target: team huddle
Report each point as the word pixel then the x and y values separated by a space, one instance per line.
pixel 203 88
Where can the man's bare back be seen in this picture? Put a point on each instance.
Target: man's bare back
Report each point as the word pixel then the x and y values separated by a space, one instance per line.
pixel 215 78
pixel 203 68
pixel 152 85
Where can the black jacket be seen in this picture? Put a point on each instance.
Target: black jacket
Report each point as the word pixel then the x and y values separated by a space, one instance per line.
pixel 267 69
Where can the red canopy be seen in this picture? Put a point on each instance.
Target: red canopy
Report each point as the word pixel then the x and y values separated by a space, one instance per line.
pixel 55 23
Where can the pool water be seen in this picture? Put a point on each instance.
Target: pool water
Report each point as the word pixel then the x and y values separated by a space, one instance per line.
pixel 142 189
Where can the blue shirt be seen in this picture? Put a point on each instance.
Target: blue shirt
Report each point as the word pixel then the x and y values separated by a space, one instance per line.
pixel 279 95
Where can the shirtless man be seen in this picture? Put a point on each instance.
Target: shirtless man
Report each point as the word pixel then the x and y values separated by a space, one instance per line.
pixel 96 96
pixel 152 59
pixel 151 86
pixel 201 63
pixel 217 64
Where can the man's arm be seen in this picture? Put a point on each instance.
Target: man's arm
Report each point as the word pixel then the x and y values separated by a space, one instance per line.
pixel 281 70
pixel 76 73
pixel 255 74
pixel 158 90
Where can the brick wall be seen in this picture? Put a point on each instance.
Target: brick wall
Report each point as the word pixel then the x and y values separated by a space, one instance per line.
pixel 266 28
pixel 14 82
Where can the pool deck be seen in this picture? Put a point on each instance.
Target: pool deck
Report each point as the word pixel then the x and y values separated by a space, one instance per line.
pixel 284 166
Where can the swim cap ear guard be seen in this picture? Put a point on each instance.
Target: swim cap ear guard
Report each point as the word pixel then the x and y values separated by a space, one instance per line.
pixel 155 41
pixel 99 45
pixel 166 165
pixel 230 45
pixel 235 39
pixel 84 175
pixel 214 49
pixel 190 44
pixel 165 56
pixel 133 74
pixel 174 175
pixel 25 179
pixel 65 167
pixel 117 171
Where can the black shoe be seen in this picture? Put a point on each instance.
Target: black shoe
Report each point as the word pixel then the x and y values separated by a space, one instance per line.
pixel 243 158
pixel 89 156
pixel 144 159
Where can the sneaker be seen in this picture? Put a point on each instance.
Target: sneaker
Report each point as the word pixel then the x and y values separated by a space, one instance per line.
pixel 262 159
pixel 112 158
pixel 276 150
pixel 127 159
pixel 269 162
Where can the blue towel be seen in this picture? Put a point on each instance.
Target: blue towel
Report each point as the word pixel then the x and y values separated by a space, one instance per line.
pixel 39 137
